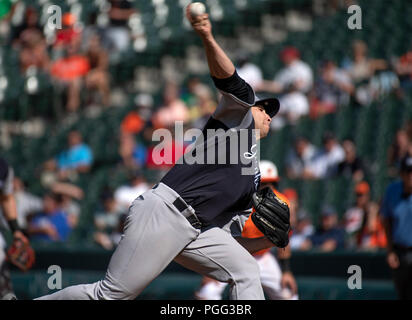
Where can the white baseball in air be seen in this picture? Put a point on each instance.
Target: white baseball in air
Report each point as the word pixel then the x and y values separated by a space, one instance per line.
pixel 197 8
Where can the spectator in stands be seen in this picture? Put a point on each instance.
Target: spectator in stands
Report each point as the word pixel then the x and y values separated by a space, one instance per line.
pixel 126 194
pixel 117 234
pixel 70 195
pixel 299 158
pixel 249 71
pixel 205 106
pixel 107 220
pixel 78 158
pixel 351 166
pixel 188 94
pixel 361 67
pixel 403 67
pixel 33 51
pixel 51 224
pixel 118 32
pixel 363 70
pixel 30 24
pixel 399 148
pixel 26 202
pixel 294 81
pixel 49 173
pixel 30 43
pixel 134 122
pixel 372 234
pixel 354 217
pixel 132 152
pixel 397 213
pixel 68 36
pixel 294 105
pixel 98 76
pixel 200 101
pixel 325 164
pixel 300 222
pixel 303 230
pixel 295 76
pixel 69 71
pixel 172 110
pixel 333 89
pixel 329 236
pixel 93 28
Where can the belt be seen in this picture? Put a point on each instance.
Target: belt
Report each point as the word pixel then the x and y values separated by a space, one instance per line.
pixel 186 210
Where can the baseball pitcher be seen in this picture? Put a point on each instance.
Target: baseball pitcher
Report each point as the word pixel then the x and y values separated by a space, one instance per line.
pixel 173 220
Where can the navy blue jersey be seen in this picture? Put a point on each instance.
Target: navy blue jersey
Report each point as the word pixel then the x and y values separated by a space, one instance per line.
pixel 228 174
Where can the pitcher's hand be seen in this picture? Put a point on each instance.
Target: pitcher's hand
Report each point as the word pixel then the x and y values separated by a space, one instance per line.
pixel 201 24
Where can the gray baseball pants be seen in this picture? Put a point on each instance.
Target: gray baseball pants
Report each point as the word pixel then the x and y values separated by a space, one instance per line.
pixel 156 233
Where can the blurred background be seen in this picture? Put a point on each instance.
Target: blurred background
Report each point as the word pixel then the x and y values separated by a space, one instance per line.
pixel 78 106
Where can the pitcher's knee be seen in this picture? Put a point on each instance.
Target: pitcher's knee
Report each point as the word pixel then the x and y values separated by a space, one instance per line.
pixel 245 283
pixel 104 290
pixel 247 271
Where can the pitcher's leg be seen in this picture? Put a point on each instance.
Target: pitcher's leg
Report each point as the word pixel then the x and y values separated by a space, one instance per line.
pixel 154 234
pixel 216 254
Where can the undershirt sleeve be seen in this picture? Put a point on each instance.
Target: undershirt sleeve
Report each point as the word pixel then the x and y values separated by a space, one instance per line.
pixel 236 86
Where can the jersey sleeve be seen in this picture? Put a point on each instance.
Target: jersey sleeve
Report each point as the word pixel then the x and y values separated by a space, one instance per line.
pixel 237 87
pixel 237 99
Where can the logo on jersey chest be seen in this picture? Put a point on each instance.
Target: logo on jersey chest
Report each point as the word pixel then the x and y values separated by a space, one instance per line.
pixel 252 153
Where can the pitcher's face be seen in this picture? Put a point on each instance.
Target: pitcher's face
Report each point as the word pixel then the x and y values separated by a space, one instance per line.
pixel 262 120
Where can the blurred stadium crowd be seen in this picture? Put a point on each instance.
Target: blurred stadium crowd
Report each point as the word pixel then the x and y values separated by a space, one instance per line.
pixel 78 107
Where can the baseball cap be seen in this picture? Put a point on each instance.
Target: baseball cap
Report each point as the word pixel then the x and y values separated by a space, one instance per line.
pixel 269 171
pixel 271 106
pixel 362 188
pixel 406 164
pixel 289 52
pixel 69 19
pixel 328 210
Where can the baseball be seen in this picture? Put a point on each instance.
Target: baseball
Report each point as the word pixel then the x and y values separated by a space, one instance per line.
pixel 197 8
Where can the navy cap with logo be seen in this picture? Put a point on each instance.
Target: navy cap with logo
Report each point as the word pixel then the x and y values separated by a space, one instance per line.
pixel 271 106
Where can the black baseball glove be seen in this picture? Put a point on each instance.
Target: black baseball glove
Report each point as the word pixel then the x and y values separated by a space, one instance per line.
pixel 271 217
